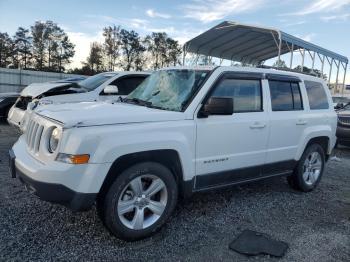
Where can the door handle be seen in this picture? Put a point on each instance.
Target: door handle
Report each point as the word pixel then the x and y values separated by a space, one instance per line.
pixel 257 125
pixel 301 122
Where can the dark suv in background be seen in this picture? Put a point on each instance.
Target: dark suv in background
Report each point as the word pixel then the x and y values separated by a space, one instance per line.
pixel 343 129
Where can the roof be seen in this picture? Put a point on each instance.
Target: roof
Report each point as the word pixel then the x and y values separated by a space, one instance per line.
pixel 250 44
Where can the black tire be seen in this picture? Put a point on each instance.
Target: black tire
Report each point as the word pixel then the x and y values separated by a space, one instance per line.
pixel 108 209
pixel 296 180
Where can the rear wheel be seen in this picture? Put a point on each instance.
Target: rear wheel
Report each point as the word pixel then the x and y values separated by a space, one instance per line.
pixel 309 170
pixel 140 201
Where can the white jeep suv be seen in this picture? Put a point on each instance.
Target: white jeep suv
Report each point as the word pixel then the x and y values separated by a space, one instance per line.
pixel 183 130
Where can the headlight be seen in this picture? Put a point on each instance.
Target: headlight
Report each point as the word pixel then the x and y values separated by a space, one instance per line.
pixel 53 140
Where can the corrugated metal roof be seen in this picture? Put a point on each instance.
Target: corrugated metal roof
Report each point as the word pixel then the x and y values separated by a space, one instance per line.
pixel 250 44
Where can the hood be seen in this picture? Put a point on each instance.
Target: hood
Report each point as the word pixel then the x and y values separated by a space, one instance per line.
pixel 37 89
pixel 103 113
pixel 343 113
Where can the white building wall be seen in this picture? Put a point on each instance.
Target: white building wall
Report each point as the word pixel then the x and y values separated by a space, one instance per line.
pixel 14 80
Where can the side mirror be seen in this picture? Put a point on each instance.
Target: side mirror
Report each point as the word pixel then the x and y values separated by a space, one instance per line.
pixel 218 106
pixel 111 90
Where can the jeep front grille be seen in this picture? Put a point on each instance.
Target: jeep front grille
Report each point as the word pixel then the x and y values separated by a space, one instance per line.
pixel 34 132
pixel 344 120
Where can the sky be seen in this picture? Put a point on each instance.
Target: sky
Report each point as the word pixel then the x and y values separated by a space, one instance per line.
pixel 322 22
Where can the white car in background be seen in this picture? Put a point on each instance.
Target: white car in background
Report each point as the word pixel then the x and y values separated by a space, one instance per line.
pixel 100 87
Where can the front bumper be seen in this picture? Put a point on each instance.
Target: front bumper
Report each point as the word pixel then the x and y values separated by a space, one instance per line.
pixel 75 186
pixel 51 192
pixel 343 134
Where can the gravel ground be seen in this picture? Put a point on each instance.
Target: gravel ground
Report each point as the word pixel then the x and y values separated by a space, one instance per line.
pixel 316 225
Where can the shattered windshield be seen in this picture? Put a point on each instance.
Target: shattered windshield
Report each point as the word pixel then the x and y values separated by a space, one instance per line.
pixel 169 89
pixel 95 81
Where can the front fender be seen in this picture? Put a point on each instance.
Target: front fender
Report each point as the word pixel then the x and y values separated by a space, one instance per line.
pixel 105 144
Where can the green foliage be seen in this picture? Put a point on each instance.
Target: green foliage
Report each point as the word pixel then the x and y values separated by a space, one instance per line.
pixel 95 59
pixel 280 64
pixel 45 46
pixel 6 50
pixel 314 72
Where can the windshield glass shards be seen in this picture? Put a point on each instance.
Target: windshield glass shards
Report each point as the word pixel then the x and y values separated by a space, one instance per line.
pixel 169 89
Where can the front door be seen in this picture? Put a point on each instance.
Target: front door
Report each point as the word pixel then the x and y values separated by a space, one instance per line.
pixel 232 148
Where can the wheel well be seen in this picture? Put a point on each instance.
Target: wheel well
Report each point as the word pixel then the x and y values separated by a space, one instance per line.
pixel 167 157
pixel 323 141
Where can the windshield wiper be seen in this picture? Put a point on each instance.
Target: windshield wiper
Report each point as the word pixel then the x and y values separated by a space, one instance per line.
pixel 137 101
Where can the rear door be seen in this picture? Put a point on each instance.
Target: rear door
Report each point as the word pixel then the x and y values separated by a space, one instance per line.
pixel 231 148
pixel 288 120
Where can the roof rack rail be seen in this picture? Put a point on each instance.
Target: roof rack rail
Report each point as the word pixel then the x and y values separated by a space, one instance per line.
pixel 288 70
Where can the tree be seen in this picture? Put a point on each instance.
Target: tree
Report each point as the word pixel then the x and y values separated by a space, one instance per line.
pixel 174 52
pixel 40 36
pixel 315 72
pixel 111 45
pixel 62 52
pixel 23 47
pixel 132 49
pixel 280 64
pixel 6 50
pixel 51 46
pixel 95 58
pixel 164 51
pixel 156 46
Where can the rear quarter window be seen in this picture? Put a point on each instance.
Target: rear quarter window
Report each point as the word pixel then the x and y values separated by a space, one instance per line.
pixel 317 95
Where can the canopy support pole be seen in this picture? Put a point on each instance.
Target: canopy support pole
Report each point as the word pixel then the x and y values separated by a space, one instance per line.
pixel 291 56
pixel 322 66
pixel 346 66
pixel 313 61
pixel 330 71
pixel 336 80
pixel 302 60
pixel 279 49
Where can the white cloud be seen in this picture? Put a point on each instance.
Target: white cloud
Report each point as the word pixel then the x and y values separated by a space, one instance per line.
pixel 82 44
pixel 296 23
pixel 307 37
pixel 154 14
pixel 342 17
pixel 212 10
pixel 322 6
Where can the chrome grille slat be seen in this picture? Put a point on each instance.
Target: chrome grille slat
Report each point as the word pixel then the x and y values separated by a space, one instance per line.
pixel 33 135
pixel 344 120
pixel 35 128
pixel 29 131
pixel 37 138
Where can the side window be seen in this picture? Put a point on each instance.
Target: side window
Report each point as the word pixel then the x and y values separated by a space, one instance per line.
pixel 128 84
pixel 316 94
pixel 246 94
pixel 285 96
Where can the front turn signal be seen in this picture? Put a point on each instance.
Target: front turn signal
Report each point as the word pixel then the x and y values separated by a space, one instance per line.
pixel 73 159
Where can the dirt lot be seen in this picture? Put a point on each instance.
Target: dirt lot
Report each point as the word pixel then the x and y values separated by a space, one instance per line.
pixel 316 225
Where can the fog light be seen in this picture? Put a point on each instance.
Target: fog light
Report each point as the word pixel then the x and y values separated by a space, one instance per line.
pixel 73 159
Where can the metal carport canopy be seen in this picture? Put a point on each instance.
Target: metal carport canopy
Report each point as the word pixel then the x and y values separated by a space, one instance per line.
pixel 252 44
